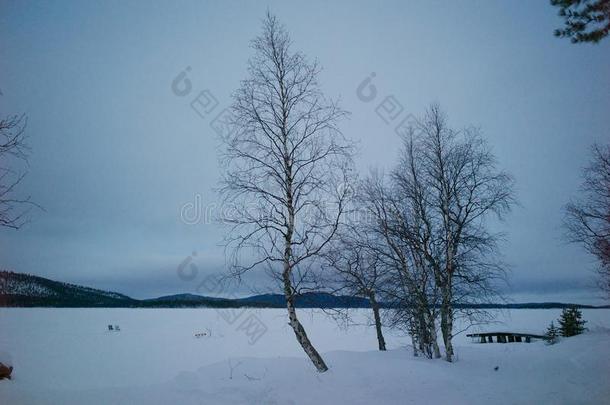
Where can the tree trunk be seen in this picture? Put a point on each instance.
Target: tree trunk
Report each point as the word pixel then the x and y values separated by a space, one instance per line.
pixel 447 326
pixel 433 337
pixel 414 343
pixel 375 306
pixel 424 333
pixel 299 331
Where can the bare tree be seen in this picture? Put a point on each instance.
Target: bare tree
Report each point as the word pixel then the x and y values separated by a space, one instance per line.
pixel 408 285
pixel 453 180
pixel 13 146
pixel 285 161
pixel 587 219
pixel 357 270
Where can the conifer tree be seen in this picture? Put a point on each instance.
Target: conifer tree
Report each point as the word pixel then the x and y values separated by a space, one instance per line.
pixel 584 20
pixel 571 322
pixel 552 334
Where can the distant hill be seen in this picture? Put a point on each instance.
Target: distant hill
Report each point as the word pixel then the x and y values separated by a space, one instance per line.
pixel 25 290
pixel 307 300
pixel 187 301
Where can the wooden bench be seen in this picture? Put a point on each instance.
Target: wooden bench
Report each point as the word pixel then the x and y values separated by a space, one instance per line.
pixel 504 337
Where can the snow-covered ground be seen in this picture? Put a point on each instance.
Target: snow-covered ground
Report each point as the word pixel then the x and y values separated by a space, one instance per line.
pixel 68 356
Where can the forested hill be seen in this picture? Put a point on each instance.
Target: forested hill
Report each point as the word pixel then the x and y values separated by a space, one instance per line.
pixel 26 290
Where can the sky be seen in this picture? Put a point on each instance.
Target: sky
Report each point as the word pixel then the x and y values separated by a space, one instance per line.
pixel 125 157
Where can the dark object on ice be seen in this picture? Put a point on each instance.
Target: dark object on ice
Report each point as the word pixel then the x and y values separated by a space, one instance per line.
pixel 207 333
pixel 496 368
pixel 116 328
pixel 5 371
pixel 110 327
pixel 505 337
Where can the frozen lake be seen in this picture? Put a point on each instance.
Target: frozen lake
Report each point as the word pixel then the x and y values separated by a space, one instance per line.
pixel 72 349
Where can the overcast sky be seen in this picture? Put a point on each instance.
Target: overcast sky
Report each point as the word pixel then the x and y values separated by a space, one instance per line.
pixel 116 153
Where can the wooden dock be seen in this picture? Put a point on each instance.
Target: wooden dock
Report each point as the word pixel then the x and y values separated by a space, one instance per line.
pixel 504 337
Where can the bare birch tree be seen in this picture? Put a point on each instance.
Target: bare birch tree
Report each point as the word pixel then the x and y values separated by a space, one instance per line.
pixel 463 187
pixel 284 161
pixel 357 270
pixel 409 288
pixel 13 147
pixel 587 219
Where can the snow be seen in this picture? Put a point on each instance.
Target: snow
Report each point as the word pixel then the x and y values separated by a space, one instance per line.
pixel 68 356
